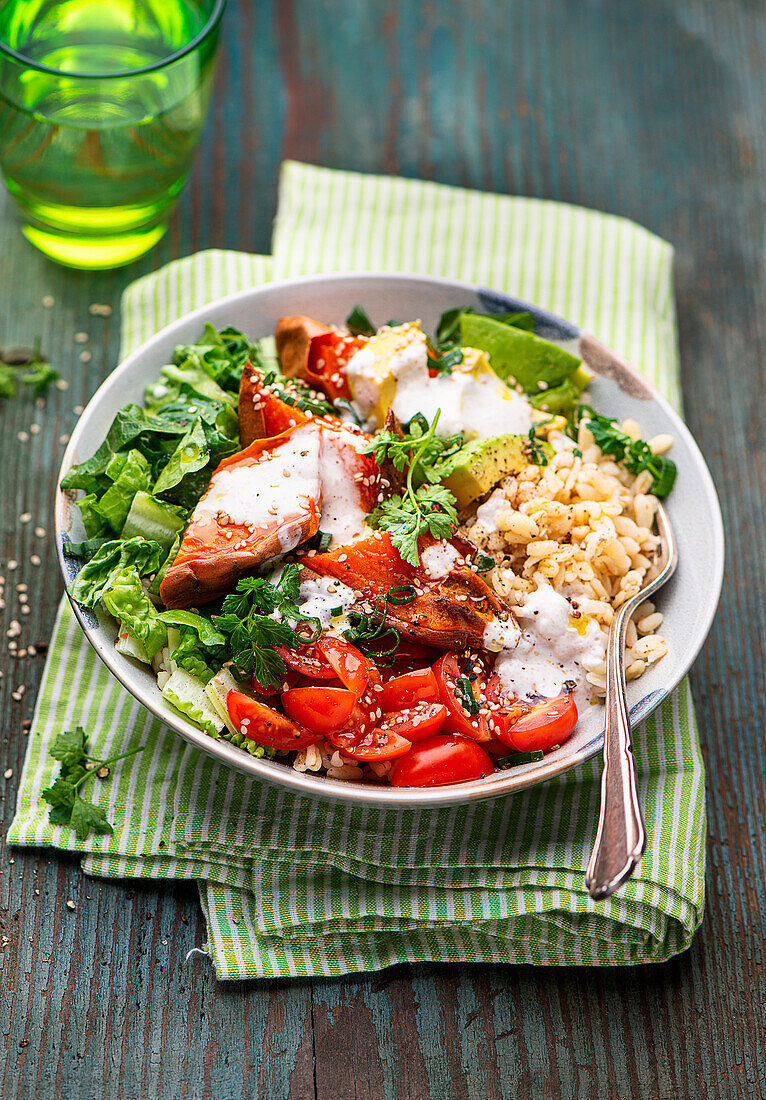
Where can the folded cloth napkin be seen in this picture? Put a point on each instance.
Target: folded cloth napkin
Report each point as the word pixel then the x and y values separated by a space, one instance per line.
pixel 292 886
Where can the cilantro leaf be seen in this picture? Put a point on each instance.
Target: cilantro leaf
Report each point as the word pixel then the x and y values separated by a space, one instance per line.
pixel 251 633
pixel 67 806
pixel 85 816
pixel 635 454
pixel 429 508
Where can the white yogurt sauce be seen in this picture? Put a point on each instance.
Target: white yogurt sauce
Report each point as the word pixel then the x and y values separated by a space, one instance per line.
pixel 266 493
pixel 322 596
pixel 343 517
pixel 487 513
pixel 501 636
pixel 438 560
pixel 550 651
pixel 476 405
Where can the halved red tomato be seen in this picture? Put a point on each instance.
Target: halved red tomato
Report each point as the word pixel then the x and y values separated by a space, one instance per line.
pixel 308 661
pixel 321 709
pixel 266 726
pixel 445 758
pixel 447 670
pixel 351 666
pixel 505 710
pixel 410 688
pixel 545 726
pixel 415 723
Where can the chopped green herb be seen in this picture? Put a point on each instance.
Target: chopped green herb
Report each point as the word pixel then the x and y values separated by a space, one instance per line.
pixel 67 806
pixel 535 452
pixel 443 359
pixel 251 633
pixel 484 562
pixel 369 633
pixel 428 509
pixel 358 323
pixel 635 454
pixel 577 452
pixel 344 404
pixel 468 699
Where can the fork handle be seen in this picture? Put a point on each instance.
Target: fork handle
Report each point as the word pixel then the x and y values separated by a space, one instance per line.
pixel 621 837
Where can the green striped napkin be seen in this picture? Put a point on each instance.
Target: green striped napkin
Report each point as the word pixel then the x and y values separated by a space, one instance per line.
pixel 291 886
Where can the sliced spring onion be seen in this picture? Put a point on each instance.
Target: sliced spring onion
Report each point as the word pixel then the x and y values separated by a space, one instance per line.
pixel 465 688
pixel 402 594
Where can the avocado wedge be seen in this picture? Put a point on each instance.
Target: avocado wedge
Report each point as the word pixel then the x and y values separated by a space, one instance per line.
pixel 516 354
pixel 481 464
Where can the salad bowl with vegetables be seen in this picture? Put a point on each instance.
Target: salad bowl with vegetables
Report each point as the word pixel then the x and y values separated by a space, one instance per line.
pixel 363 535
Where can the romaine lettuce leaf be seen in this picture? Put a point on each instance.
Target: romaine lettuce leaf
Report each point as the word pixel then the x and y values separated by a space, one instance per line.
pixel 190 455
pixel 95 576
pixel 124 597
pixel 129 471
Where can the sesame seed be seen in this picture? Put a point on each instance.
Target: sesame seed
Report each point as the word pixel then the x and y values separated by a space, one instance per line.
pixel 97 309
pixel 25 517
pixel 8 773
pixel 25 610
pixel 81 338
pixel 23 437
pixel 77 409
pixel 11 565
pixel 34 429
pixel 35 559
pixel 40 532
pixel 85 356
pixel 70 904
pixel 62 384
pixel 64 438
pixel 48 301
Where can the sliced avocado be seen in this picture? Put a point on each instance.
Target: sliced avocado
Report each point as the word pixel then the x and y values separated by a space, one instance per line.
pixel 562 399
pixel 517 354
pixel 481 464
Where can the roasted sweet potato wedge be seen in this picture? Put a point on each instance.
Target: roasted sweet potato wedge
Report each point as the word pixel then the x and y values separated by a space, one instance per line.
pixel 250 513
pixel 316 353
pixel 452 611
pixel 261 413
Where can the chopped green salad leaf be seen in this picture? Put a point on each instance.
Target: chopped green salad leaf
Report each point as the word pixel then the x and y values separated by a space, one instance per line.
pixel 97 575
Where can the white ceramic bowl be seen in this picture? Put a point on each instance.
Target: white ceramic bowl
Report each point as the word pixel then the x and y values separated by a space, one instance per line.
pixel 688 601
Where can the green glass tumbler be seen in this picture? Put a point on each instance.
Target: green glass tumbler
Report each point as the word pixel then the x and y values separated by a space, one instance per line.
pixel 102 103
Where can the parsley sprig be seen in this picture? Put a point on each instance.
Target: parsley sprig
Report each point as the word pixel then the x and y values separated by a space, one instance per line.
pixel 635 454
pixel 67 806
pixel 31 370
pixel 420 508
pixel 251 632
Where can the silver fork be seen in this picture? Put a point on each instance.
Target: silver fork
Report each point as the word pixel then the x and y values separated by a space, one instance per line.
pixel 621 837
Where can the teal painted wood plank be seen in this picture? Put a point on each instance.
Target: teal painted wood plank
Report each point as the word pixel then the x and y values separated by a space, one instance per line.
pixel 655 110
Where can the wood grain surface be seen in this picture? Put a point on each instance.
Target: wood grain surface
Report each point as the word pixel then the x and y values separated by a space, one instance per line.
pixel 655 109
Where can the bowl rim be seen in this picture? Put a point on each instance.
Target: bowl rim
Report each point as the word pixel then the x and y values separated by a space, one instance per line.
pixel 320 787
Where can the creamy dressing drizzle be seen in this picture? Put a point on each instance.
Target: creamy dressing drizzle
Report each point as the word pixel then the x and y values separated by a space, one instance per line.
pixel 550 651
pixel 322 596
pixel 268 492
pixel 343 517
pixel 475 404
pixel 488 512
pixel 439 559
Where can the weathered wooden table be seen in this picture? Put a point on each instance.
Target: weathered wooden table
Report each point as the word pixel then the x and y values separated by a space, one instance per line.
pixel 655 109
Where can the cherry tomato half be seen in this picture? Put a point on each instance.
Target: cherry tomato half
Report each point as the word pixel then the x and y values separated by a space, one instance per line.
pixel 544 726
pixel 410 688
pixel 266 726
pixel 445 758
pixel 308 661
pixel 447 670
pixel 416 723
pixel 320 709
pixel 506 710
pixel 351 667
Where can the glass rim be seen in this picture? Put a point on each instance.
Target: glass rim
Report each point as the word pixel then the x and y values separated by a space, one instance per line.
pixel 213 19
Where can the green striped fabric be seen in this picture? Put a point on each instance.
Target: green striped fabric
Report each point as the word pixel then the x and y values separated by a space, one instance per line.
pixel 291 886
